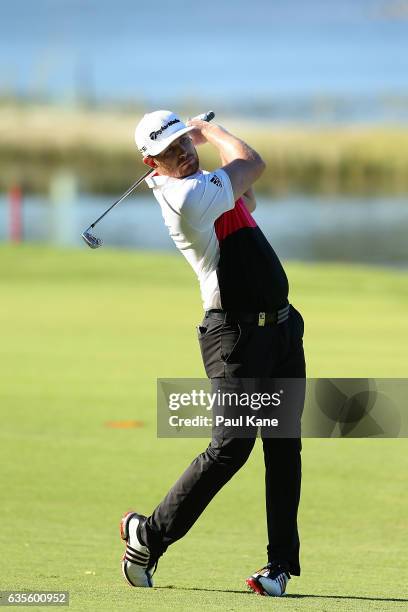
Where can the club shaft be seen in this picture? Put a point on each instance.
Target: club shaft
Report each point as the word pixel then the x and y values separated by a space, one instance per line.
pixel 204 117
pixel 125 195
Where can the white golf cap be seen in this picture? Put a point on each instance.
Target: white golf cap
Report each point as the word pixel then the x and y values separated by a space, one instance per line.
pixel 157 130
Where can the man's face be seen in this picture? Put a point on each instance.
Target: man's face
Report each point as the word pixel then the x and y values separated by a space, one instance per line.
pixel 179 160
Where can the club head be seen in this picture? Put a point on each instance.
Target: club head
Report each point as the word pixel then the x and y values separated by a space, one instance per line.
pixel 91 240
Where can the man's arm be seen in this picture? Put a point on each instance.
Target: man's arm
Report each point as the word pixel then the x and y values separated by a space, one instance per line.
pixel 248 197
pixel 242 163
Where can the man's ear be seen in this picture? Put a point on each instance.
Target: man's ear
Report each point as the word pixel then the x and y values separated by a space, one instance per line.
pixel 149 161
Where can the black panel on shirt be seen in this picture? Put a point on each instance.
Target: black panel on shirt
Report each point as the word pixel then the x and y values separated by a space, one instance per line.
pixel 250 275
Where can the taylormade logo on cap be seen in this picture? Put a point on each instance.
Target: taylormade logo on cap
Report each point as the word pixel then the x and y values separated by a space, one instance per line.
pixel 154 135
pixel 157 130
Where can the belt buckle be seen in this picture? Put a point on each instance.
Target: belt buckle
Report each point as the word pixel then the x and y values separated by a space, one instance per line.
pixel 261 319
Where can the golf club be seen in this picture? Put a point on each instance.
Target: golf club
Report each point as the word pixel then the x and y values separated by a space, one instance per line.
pixel 92 241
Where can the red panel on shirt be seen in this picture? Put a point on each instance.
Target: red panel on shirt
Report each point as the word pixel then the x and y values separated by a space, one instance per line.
pixel 233 220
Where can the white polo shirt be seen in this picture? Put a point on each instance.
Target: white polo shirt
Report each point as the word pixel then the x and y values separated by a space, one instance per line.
pixel 190 207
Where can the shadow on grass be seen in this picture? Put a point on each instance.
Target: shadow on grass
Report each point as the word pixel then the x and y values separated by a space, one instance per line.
pixel 288 595
pixel 353 597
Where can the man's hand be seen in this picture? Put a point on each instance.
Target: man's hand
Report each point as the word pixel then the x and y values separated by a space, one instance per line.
pixel 198 135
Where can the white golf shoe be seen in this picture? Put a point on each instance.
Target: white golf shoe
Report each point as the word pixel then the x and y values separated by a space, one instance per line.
pixel 270 580
pixel 137 565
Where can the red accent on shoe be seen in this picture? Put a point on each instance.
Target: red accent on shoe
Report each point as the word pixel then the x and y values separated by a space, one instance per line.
pixel 123 524
pixel 255 586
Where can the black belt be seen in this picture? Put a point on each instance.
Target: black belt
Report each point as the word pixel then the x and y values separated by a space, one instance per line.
pixel 258 318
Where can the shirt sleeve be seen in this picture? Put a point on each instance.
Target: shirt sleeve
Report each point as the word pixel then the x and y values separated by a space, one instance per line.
pixel 206 197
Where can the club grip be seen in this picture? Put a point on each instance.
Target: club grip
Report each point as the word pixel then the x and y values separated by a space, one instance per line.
pixel 208 116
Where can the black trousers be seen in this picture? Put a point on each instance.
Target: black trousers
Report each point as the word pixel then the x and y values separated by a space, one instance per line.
pixel 233 350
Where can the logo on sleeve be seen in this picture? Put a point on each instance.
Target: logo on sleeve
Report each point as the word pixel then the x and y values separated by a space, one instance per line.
pixel 216 180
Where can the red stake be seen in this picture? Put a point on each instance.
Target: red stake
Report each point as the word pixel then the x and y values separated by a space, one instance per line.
pixel 16 213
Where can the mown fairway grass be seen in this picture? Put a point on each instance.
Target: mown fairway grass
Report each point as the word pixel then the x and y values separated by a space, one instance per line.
pixel 83 337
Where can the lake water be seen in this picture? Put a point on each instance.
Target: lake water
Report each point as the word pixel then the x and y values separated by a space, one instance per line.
pixel 255 53
pixel 311 229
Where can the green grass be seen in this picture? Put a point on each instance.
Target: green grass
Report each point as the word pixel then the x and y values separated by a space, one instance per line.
pixel 84 336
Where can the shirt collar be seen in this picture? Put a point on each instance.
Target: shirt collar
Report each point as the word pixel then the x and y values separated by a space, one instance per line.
pixel 157 180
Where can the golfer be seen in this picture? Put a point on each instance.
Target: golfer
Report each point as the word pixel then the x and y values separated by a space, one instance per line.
pixel 249 330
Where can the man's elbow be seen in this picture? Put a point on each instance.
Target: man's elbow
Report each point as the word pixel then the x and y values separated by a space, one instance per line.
pixel 260 165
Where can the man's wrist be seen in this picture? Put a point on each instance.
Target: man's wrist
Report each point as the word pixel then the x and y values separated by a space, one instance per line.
pixel 216 135
pixel 212 129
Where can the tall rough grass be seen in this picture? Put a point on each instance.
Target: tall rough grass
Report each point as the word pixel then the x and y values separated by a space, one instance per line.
pixel 98 147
